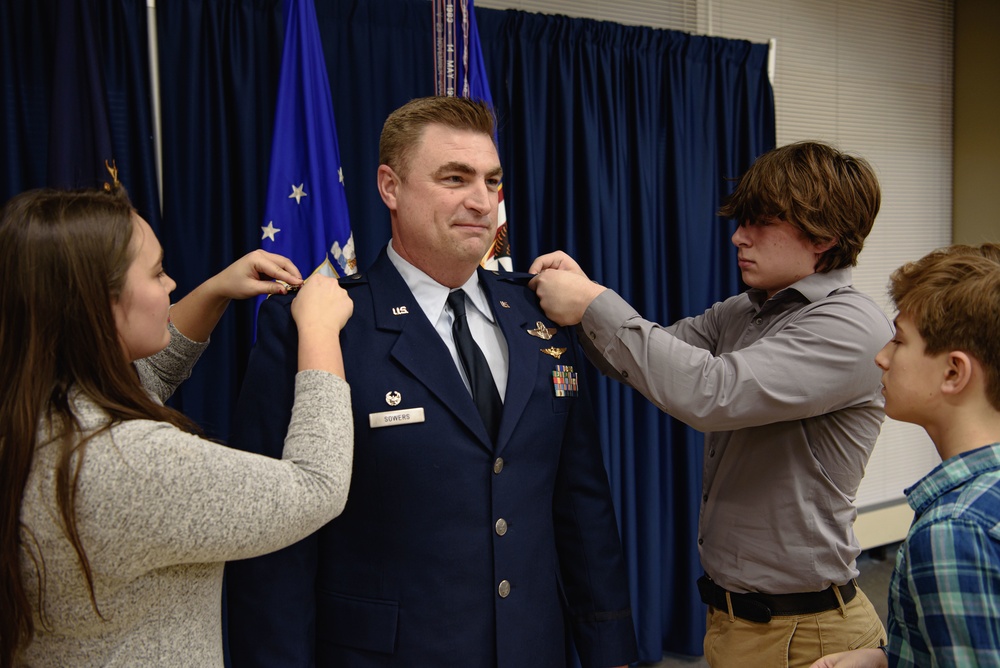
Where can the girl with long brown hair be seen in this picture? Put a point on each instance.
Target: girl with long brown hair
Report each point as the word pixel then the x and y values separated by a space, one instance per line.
pixel 116 517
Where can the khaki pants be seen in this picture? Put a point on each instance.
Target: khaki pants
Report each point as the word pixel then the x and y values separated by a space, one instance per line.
pixel 791 642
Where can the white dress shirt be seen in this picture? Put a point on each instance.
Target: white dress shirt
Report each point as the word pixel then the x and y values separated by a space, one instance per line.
pixel 432 298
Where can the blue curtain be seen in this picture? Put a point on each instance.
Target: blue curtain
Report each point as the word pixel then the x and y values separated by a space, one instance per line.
pixel 379 55
pixel 618 145
pixel 617 142
pixel 75 81
pixel 219 64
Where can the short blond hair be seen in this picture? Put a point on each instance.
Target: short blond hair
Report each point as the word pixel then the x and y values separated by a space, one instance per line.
pixel 953 297
pixel 405 126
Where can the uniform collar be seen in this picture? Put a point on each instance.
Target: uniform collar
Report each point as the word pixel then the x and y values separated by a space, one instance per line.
pixel 431 295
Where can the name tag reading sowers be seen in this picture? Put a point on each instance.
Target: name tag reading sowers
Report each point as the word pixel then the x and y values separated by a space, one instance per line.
pixel 393 418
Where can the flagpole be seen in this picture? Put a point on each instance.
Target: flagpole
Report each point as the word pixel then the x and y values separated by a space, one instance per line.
pixel 154 89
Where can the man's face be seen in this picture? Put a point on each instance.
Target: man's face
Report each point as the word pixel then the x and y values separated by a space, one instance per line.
pixel 446 206
pixel 773 254
pixel 910 377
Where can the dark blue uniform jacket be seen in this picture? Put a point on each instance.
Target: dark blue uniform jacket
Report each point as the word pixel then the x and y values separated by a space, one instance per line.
pixel 452 550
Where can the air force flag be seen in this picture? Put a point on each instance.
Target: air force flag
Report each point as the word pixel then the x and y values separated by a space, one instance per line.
pixel 305 217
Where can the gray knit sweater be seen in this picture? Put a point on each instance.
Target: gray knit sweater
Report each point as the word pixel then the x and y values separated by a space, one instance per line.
pixel 159 511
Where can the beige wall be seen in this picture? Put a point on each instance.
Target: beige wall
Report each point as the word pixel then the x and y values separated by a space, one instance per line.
pixel 976 204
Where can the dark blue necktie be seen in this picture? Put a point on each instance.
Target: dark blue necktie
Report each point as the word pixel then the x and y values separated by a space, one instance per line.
pixel 477 370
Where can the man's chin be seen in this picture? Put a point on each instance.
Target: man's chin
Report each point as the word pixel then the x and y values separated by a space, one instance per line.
pixel 475 252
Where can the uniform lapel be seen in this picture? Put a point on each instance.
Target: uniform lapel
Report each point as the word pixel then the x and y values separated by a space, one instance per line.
pixel 506 298
pixel 418 347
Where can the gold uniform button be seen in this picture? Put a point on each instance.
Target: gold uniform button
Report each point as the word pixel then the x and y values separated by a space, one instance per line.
pixel 501 526
pixel 504 589
pixel 498 465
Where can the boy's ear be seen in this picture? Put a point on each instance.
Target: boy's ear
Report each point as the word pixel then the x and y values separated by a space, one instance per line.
pixel 958 372
pixel 824 246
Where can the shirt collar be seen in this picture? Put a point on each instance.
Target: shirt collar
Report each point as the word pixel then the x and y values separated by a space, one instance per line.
pixel 431 295
pixel 950 474
pixel 813 287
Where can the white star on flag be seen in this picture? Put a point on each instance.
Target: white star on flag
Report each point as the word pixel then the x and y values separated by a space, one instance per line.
pixel 269 231
pixel 340 175
pixel 297 193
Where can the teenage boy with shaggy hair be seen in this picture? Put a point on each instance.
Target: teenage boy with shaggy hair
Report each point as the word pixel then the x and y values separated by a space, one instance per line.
pixel 780 379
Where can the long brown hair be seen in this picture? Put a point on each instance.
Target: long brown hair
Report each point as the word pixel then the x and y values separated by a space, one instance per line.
pixel 64 256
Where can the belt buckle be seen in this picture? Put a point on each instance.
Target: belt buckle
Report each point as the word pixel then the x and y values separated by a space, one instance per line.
pixel 750 609
pixel 741 605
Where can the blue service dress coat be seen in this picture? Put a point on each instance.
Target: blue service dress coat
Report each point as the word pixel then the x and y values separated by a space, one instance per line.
pixel 452 550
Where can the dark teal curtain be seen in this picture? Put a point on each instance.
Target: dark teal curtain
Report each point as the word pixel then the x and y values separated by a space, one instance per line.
pixel 617 142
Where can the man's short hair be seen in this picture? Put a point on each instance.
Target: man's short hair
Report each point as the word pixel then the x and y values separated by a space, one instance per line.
pixel 829 195
pixel 953 297
pixel 405 126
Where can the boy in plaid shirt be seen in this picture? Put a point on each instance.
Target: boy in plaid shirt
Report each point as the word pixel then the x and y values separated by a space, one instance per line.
pixel 942 372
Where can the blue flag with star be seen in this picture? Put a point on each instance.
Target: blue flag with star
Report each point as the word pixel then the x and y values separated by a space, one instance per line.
pixel 305 217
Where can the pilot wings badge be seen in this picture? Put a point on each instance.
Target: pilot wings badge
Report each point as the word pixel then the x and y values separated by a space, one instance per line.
pixel 541 331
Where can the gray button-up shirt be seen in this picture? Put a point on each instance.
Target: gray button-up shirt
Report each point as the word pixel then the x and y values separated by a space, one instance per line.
pixel 788 394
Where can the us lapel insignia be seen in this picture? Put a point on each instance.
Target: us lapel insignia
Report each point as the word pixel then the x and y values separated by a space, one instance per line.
pixel 565 381
pixel 504 304
pixel 393 398
pixel 555 352
pixel 400 310
pixel 541 331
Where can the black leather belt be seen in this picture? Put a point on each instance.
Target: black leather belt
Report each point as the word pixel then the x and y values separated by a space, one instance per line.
pixel 761 607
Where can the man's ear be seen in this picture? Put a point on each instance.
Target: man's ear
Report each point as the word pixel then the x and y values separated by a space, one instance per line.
pixel 958 372
pixel 388 182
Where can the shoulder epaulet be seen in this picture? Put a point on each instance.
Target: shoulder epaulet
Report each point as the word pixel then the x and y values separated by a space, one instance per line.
pixel 515 277
pixel 353 279
pixel 282 298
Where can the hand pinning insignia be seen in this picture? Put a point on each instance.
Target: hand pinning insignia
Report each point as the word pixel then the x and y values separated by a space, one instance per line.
pixel 541 331
pixel 555 352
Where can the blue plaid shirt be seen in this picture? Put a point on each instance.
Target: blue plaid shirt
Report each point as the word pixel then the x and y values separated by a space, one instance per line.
pixel 944 596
